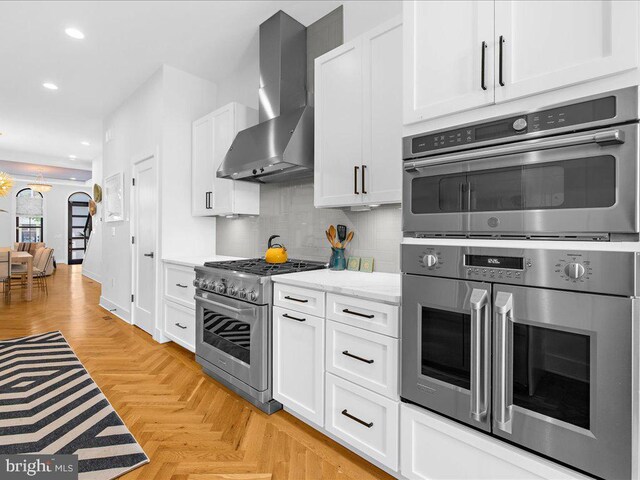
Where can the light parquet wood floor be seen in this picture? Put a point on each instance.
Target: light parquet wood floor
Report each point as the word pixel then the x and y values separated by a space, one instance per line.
pixel 191 427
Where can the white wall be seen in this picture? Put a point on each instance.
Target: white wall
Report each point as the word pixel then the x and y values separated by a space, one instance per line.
pixel 155 119
pixel 92 263
pixel 55 217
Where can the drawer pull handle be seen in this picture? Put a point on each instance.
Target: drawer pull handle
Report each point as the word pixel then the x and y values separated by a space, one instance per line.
pixel 180 285
pixel 181 326
pixel 346 310
pixel 356 419
pixel 285 315
pixel 296 299
pixel 346 352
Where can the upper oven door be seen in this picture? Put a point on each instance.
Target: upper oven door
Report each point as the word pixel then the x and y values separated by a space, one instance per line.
pixel 233 336
pixel 582 183
pixel 562 376
pixel 446 335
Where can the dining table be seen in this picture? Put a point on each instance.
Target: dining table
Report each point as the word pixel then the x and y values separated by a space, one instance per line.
pixel 27 259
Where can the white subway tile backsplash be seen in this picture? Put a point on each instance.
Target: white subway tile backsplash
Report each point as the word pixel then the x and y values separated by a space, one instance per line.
pixel 286 209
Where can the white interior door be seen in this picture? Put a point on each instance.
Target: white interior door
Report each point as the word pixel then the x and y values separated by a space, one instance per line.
pixel 144 247
pixel 548 45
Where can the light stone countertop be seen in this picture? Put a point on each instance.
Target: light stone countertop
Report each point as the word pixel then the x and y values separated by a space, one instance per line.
pixel 377 286
pixel 198 260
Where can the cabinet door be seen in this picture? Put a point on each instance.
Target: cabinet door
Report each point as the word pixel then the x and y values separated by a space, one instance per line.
pixel 381 178
pixel 338 126
pixel 223 135
pixel 202 169
pixel 298 363
pixel 548 45
pixel 443 52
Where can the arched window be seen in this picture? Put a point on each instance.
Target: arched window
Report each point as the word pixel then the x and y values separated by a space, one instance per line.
pixel 29 216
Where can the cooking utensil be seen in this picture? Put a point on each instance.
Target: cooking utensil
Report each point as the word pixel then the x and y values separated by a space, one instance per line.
pixel 349 238
pixel 332 232
pixel 276 253
pixel 329 238
pixel 342 232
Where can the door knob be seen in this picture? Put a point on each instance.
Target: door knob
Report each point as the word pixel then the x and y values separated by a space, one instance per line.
pixel 149 254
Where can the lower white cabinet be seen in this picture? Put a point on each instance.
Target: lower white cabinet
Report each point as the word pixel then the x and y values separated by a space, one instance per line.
pixel 178 305
pixel 298 363
pixel 180 324
pixel 434 447
pixel 365 420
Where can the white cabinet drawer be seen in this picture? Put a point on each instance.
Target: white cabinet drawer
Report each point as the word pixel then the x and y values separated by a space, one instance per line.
pixel 434 447
pixel 298 363
pixel 178 284
pixel 373 316
pixel 180 324
pixel 367 421
pixel 299 299
pixel 366 358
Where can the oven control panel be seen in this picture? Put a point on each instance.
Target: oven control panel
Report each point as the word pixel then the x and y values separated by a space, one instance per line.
pixel 584 271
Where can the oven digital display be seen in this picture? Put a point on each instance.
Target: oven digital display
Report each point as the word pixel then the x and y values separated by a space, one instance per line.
pixel 509 263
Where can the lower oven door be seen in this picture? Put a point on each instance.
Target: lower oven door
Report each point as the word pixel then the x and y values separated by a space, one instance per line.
pixel 577 184
pixel 233 335
pixel 562 376
pixel 446 335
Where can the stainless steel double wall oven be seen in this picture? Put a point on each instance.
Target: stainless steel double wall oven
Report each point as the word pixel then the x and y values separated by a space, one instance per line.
pixel 566 171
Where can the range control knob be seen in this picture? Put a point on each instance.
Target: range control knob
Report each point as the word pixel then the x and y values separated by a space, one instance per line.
pixel 242 293
pixel 252 295
pixel 197 283
pixel 430 260
pixel 232 290
pixel 519 124
pixel 574 270
pixel 219 286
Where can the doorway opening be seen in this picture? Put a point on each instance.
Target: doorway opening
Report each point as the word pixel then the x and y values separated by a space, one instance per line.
pixel 79 227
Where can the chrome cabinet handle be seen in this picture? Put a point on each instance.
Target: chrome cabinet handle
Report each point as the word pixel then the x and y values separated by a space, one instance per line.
pixel 606 138
pixel 500 55
pixel 350 312
pixel 296 299
pixel 346 352
pixel 286 315
pixel 504 317
pixel 355 180
pixel 181 326
pixel 482 79
pixel 180 285
pixel 356 419
pixel 479 353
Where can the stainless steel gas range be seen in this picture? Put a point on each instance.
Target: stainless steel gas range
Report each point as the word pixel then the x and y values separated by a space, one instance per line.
pixel 234 325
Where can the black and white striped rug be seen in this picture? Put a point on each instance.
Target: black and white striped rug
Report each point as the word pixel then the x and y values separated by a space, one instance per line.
pixel 50 405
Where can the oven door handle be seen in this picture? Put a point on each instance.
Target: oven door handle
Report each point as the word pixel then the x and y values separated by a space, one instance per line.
pixel 480 346
pixel 504 318
pixel 222 305
pixel 605 138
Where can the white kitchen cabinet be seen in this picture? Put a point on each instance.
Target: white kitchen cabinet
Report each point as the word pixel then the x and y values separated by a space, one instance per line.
pixel 178 305
pixel 298 363
pixel 358 126
pixel 548 45
pixel 530 47
pixel 443 45
pixel 212 136
pixel 433 447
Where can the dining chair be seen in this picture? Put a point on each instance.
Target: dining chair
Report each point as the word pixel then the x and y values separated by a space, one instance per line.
pixel 5 273
pixel 40 268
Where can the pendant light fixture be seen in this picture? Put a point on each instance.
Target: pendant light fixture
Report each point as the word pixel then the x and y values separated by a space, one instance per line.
pixel 6 183
pixel 40 185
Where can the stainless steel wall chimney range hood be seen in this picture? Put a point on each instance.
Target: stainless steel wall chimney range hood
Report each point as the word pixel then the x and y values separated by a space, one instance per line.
pixel 280 147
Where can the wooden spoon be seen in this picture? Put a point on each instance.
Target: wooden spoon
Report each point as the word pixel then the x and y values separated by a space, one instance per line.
pixel 329 238
pixel 349 238
pixel 332 232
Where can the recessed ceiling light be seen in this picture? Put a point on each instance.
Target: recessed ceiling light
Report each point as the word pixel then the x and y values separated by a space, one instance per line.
pixel 74 33
pixel 72 178
pixel 86 144
pixel 50 86
pixel 72 157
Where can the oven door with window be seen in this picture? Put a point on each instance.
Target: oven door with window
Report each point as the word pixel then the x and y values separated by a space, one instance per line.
pixel 446 331
pixel 562 376
pixel 232 335
pixel 581 183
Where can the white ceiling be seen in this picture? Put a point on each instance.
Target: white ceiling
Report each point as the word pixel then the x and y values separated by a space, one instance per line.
pixel 125 43
pixel 21 169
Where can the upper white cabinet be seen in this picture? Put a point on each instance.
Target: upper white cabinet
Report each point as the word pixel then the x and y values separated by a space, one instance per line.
pixel 358 120
pixel 444 47
pixel 547 45
pixel 212 136
pixel 464 55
